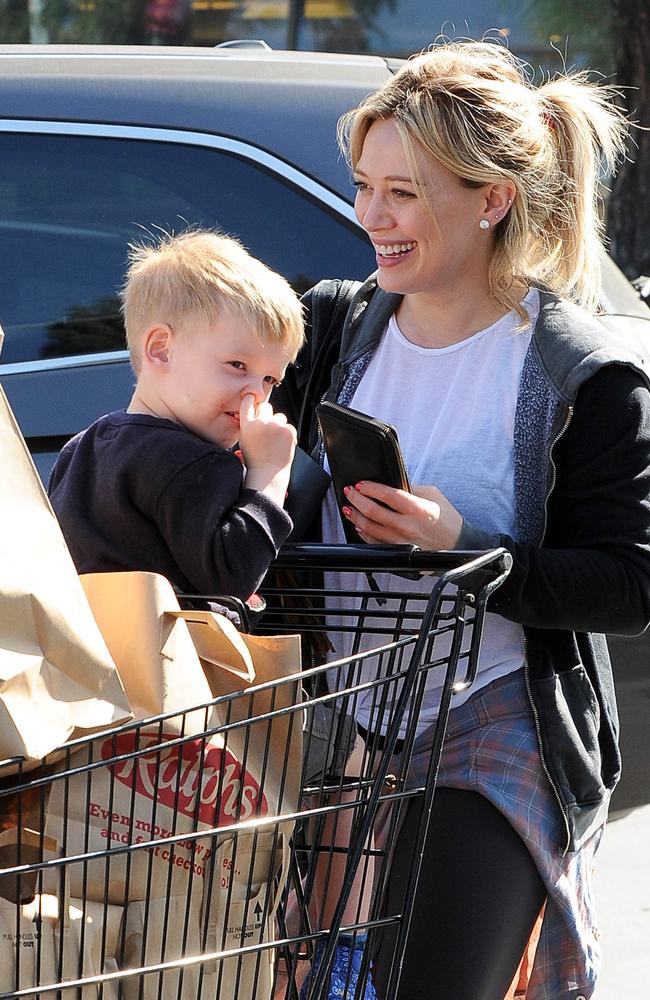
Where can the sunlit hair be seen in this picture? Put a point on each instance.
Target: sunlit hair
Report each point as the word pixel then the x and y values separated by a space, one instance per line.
pixel 472 107
pixel 200 273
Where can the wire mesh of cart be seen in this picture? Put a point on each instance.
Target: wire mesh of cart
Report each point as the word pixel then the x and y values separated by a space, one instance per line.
pixel 180 856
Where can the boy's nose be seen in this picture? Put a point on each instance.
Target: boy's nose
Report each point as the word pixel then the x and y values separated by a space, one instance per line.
pixel 258 388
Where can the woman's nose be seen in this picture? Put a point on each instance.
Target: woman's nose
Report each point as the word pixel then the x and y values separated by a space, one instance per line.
pixel 373 213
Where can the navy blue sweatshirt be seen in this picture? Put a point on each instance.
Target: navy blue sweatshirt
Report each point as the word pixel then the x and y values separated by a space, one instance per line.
pixel 134 492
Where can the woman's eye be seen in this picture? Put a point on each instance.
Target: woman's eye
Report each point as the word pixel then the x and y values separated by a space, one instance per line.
pixel 360 185
pixel 400 193
pixel 271 380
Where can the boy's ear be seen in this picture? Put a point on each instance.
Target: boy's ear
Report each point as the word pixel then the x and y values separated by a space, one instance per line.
pixel 156 345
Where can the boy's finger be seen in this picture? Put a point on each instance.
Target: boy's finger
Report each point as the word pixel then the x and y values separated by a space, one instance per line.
pixel 264 411
pixel 247 408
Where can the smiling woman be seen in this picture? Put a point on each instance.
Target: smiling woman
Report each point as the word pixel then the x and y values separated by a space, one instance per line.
pixel 422 223
pixel 524 424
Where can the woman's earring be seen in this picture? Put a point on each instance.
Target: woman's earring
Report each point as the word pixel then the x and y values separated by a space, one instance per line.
pixel 484 224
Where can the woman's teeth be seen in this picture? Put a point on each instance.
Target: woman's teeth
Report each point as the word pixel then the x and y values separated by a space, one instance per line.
pixel 394 248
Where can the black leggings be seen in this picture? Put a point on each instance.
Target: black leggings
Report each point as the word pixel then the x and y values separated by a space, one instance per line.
pixel 479 895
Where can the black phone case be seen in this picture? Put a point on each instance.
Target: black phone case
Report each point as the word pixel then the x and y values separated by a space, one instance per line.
pixel 308 484
pixel 359 447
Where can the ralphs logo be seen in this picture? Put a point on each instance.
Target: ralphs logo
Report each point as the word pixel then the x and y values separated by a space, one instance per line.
pixel 181 775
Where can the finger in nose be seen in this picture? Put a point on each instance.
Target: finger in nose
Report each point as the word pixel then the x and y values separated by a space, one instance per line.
pixel 256 389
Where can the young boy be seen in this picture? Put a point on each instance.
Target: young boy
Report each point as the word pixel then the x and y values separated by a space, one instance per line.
pixel 157 486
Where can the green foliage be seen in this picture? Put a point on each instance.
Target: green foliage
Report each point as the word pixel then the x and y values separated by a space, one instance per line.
pixel 99 22
pixel 367 9
pixel 582 31
pixel 14 22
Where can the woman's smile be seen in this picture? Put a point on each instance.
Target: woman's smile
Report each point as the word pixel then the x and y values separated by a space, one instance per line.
pixel 390 254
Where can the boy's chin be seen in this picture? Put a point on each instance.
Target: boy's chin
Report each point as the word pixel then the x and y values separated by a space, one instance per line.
pixel 225 441
pixel 219 441
pixel 216 432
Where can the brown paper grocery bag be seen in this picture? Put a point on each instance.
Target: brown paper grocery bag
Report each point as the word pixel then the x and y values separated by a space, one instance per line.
pixel 156 931
pixel 240 906
pixel 241 901
pixel 153 650
pixel 41 945
pixel 56 675
pixel 149 796
pixel 251 867
pixel 22 847
pixel 246 875
pixel 271 748
pixel 171 660
pixel 148 791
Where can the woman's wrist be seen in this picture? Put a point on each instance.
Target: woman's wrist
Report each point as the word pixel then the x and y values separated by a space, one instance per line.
pixel 473 538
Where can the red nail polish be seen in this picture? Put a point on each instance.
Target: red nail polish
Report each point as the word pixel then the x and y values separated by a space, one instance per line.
pixel 346 490
pixel 347 511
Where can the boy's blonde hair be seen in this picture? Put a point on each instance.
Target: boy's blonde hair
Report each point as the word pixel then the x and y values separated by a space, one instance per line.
pixel 472 107
pixel 203 273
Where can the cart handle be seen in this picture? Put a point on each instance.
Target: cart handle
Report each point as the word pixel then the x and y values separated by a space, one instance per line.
pixel 388 558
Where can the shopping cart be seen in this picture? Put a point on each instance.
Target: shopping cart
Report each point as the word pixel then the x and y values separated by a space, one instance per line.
pixel 218 885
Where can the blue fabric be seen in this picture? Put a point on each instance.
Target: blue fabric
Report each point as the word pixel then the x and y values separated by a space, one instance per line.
pixel 346 969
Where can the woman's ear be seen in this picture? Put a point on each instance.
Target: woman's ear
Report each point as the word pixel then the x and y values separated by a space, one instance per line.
pixel 156 345
pixel 498 199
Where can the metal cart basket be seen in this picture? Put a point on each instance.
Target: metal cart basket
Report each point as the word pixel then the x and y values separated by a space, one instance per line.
pixel 207 891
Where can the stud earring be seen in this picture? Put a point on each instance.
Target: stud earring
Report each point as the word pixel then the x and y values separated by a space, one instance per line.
pixel 484 224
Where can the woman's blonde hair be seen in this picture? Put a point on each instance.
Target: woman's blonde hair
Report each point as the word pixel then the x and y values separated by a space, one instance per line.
pixel 472 107
pixel 203 273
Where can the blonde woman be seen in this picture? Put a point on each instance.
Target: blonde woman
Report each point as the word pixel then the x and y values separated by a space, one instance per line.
pixel 526 424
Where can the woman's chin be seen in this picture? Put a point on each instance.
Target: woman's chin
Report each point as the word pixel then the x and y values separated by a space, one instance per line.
pixel 388 281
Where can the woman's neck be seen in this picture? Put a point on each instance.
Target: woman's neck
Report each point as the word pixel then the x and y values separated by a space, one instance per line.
pixel 440 321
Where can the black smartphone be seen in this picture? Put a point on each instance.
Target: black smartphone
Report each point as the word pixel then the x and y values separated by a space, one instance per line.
pixel 358 447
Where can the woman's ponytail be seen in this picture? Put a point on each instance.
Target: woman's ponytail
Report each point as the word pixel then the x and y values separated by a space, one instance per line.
pixel 586 133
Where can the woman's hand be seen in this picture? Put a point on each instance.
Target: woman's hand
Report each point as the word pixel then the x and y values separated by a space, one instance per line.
pixel 424 518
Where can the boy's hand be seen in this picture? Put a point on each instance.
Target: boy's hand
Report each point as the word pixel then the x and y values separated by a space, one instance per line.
pixel 267 443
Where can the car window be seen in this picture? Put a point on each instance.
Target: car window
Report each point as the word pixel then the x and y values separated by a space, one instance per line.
pixel 70 205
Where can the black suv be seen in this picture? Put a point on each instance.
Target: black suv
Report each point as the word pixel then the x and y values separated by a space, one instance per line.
pixel 99 145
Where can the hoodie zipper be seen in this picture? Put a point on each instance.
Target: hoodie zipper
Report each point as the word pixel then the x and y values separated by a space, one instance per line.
pixel 567 421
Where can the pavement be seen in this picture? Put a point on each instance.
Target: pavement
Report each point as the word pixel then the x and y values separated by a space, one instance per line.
pixel 622 890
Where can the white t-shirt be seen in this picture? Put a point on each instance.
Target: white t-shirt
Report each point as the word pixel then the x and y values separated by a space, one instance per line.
pixel 454 411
